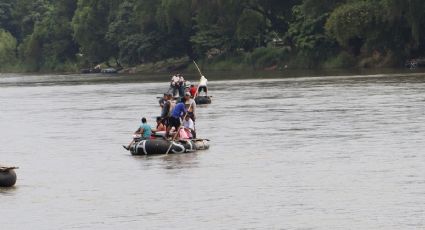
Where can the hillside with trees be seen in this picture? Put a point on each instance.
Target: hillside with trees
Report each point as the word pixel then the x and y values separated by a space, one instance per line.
pixel 65 35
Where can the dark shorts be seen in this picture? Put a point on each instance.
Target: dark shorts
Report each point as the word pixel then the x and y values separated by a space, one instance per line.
pixel 191 115
pixel 165 121
pixel 202 88
pixel 174 122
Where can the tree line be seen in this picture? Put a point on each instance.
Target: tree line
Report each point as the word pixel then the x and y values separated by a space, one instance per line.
pixel 58 35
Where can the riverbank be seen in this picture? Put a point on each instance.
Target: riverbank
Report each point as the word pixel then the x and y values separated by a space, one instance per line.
pixel 272 59
pixel 218 68
pixel 235 64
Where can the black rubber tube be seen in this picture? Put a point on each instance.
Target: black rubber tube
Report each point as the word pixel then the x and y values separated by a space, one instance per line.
pixel 7 178
pixel 160 146
pixel 202 100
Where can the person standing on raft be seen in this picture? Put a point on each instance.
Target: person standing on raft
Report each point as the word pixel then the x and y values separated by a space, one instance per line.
pixel 192 90
pixel 181 85
pixel 174 85
pixel 166 109
pixel 203 85
pixel 162 100
pixel 190 105
pixel 175 119
pixel 144 132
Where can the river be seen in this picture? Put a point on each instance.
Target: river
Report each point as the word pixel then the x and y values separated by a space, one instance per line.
pixel 341 152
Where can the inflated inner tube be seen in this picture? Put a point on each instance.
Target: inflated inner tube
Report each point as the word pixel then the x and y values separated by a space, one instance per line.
pixel 160 146
pixel 201 144
pixel 203 100
pixel 7 177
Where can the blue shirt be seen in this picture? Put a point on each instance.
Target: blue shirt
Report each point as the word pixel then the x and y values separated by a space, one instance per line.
pixel 179 110
pixel 147 130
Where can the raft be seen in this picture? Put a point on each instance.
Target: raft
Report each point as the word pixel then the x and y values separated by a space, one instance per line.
pixel 203 100
pixel 109 70
pixel 90 70
pixel 7 176
pixel 160 146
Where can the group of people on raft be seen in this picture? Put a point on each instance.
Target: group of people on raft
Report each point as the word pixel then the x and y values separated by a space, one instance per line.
pixel 178 85
pixel 177 116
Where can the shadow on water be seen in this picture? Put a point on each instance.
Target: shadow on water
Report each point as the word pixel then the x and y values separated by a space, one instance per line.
pixel 8 191
pixel 171 161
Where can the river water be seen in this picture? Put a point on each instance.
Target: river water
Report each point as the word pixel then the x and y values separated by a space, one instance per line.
pixel 342 152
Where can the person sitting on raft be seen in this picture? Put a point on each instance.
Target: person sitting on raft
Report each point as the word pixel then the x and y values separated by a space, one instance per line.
pixel 144 132
pixel 159 125
pixel 178 112
pixel 189 126
pixel 160 129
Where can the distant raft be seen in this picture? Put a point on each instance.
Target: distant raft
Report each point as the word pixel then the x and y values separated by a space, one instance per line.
pixel 109 70
pixel 160 146
pixel 203 100
pixel 7 176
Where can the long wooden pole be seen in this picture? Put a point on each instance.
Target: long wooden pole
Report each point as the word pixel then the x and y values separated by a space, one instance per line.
pixel 199 70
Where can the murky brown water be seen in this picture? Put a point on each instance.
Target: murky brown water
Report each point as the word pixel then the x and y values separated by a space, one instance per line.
pixel 298 153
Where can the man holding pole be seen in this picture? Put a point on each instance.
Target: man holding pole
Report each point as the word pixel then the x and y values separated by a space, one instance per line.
pixel 178 112
pixel 203 85
pixel 190 105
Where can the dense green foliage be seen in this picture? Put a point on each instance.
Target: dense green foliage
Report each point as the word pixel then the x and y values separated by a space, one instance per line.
pixel 60 35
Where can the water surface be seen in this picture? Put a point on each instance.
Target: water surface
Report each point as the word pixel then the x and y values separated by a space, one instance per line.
pixel 343 152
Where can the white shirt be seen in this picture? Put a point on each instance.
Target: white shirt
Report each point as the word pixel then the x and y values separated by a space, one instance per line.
pixel 203 81
pixel 188 124
pixel 181 79
pixel 191 102
pixel 174 80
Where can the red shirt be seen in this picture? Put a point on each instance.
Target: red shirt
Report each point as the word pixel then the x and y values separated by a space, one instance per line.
pixel 192 91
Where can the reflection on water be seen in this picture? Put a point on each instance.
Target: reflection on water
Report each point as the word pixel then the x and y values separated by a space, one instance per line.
pixel 7 191
pixel 293 153
pixel 170 161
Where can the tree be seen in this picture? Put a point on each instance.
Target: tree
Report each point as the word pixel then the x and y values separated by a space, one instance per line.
pixel 26 13
pixel 7 49
pixel 51 43
pixel 250 29
pixel 384 26
pixel 278 13
pixel 90 25
pixel 216 24
pixel 307 35
pixel 6 19
pixel 354 21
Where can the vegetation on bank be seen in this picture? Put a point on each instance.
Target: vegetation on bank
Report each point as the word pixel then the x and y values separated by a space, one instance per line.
pixel 165 35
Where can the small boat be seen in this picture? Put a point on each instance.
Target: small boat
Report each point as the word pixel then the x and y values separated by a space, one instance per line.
pixel 203 100
pixel 109 70
pixel 161 145
pixel 90 70
pixel 7 176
